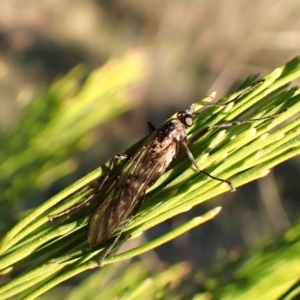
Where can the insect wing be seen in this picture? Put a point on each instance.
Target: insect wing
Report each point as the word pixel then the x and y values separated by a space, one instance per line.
pixel 125 194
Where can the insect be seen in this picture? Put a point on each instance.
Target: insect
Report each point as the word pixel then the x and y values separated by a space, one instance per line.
pixel 127 190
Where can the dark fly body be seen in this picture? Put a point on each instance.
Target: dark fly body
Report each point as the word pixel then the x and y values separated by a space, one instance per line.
pixel 126 193
pixel 143 168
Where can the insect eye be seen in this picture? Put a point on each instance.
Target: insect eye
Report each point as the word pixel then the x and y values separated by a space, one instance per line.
pixel 188 120
pixel 185 118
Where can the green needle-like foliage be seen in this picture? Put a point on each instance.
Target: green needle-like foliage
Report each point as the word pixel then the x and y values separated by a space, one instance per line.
pixel 268 272
pixel 57 251
pixel 36 151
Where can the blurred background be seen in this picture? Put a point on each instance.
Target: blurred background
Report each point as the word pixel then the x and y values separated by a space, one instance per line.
pixel 166 54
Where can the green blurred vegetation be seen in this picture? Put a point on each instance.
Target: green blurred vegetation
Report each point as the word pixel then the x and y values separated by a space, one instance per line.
pixel 38 149
pixel 58 251
pixel 192 47
pixel 267 272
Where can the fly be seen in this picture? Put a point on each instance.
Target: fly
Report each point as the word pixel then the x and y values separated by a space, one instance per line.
pixel 126 193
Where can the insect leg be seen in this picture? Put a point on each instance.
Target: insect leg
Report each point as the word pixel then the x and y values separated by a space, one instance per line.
pixel 109 249
pixel 225 125
pixel 133 213
pixel 229 124
pixel 191 157
pixel 121 156
pixel 151 127
pixel 245 91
